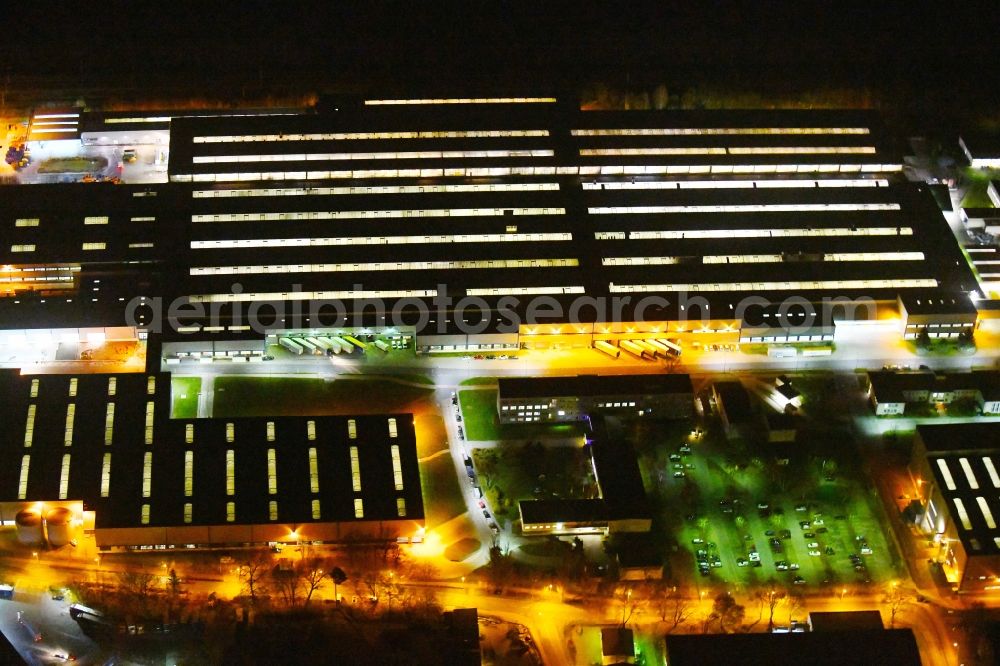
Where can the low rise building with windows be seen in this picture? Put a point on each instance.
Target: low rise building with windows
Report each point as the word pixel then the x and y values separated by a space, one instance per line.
pixel 622 506
pixel 890 392
pixel 555 399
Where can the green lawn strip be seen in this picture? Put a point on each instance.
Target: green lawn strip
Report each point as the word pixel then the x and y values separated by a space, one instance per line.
pixel 72 164
pixel 184 397
pixel 442 494
pixel 479 411
pixel 277 396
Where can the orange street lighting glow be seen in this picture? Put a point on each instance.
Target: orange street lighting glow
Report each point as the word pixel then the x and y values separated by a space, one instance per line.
pixel 430 547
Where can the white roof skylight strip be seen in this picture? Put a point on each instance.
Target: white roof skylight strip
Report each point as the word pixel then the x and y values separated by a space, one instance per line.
pixel 709 131
pixel 406 155
pixel 737 184
pixel 311 295
pixel 906 283
pixel 356 136
pixel 745 208
pixel 374 189
pixel 372 214
pixel 680 234
pixel 379 240
pixel 385 266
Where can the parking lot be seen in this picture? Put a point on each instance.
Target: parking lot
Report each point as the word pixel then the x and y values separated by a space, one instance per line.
pixel 735 528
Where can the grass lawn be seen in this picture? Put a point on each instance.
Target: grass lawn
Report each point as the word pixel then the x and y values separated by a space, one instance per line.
pixel 479 411
pixel 278 396
pixel 184 397
pixel 978 180
pixel 442 495
pixel 461 549
pixel 72 164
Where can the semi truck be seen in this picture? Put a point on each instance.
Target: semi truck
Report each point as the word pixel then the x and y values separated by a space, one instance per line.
pixel 648 346
pixel 344 344
pixel 309 346
pixel 634 349
pixel 357 343
pixel 607 348
pixel 381 345
pixel 291 345
pixel 335 347
pixel 673 347
pixel 323 343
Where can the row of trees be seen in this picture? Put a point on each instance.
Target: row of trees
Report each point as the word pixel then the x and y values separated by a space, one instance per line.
pixel 674 609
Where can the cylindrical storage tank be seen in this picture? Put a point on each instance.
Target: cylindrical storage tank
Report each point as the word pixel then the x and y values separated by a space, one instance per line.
pixel 59 526
pixel 29 527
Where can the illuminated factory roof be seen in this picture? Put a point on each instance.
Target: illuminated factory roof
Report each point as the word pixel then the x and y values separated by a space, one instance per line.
pixel 965 459
pixel 391 201
pixel 109 440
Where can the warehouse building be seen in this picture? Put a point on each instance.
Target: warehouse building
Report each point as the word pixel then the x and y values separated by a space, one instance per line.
pixel 954 472
pixel 105 447
pixel 560 399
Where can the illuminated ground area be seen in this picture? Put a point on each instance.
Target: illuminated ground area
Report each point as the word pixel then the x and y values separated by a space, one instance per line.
pixel 731 496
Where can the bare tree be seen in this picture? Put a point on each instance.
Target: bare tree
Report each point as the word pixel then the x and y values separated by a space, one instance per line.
pixel 628 601
pixel 312 572
pixel 897 600
pixel 675 608
pixel 796 603
pixel 287 582
pixel 252 571
pixel 769 597
pixel 137 586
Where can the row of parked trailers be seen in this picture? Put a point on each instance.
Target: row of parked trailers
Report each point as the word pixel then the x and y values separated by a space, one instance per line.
pixel 329 345
pixel 647 349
